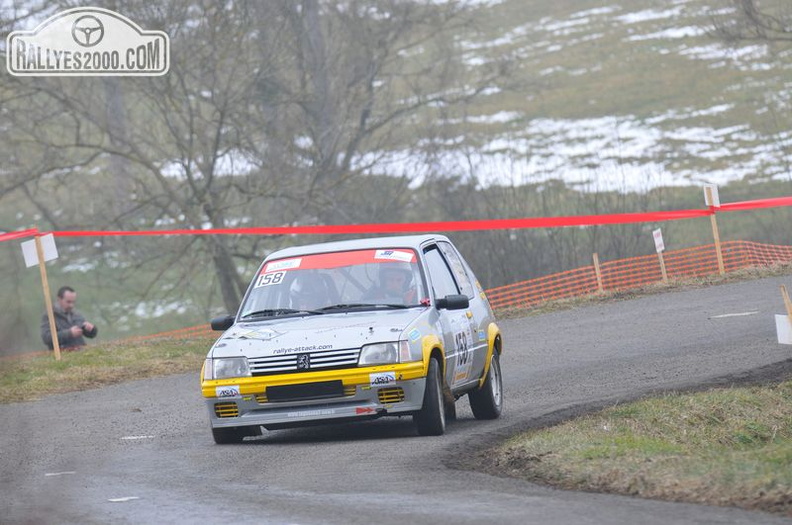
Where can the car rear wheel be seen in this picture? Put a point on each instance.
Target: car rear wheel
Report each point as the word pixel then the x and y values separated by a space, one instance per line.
pixel 227 436
pixel 431 420
pixel 487 401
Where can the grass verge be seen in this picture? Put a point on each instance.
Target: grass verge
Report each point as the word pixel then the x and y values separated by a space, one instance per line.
pixel 727 447
pixel 29 378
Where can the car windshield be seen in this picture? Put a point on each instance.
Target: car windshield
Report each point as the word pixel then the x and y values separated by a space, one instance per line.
pixel 337 281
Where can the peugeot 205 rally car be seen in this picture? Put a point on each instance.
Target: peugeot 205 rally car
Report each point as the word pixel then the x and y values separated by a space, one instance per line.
pixel 355 330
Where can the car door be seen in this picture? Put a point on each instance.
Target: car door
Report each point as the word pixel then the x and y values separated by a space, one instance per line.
pixel 478 313
pixel 454 324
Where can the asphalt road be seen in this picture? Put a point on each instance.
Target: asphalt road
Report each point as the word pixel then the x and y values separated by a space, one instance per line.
pixel 147 444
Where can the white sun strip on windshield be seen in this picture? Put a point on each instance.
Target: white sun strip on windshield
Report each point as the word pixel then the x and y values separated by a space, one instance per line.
pixel 288 264
pixel 394 255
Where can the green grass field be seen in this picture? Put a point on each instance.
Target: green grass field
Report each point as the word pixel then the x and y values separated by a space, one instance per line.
pixel 27 378
pixel 730 447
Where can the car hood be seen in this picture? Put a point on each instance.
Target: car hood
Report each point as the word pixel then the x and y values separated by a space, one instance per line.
pixel 283 336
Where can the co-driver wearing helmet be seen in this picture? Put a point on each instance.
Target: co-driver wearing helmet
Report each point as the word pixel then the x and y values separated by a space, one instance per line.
pixel 394 284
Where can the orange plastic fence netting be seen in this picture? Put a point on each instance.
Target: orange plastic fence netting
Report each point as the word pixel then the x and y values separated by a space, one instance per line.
pixel 616 275
pixel 626 273
pixel 638 271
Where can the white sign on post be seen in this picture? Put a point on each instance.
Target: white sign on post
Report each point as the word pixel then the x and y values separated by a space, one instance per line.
pixel 658 239
pixel 783 329
pixel 784 322
pixel 37 252
pixel 30 254
pixel 713 191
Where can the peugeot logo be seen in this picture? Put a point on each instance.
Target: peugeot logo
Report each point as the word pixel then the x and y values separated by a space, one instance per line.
pixel 303 362
pixel 87 31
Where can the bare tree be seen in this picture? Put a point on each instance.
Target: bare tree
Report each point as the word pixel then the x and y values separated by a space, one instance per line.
pixel 754 20
pixel 271 112
pixel 360 71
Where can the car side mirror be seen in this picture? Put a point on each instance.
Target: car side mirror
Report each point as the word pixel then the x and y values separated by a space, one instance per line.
pixel 453 302
pixel 222 323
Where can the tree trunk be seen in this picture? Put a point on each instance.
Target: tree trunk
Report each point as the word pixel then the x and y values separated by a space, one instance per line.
pixel 231 285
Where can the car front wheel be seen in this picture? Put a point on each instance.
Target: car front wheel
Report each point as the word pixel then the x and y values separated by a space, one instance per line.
pixel 487 401
pixel 431 420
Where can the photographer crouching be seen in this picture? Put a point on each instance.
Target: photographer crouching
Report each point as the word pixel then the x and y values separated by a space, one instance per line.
pixel 71 326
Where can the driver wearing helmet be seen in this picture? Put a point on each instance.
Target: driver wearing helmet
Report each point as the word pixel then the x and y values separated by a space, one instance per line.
pixel 307 291
pixel 394 284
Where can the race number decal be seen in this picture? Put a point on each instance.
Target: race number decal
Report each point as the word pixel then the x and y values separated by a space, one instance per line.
pixel 268 279
pixel 463 347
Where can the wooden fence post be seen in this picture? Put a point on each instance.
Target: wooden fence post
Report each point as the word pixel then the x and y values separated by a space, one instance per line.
pixel 715 234
pixel 598 273
pixel 47 299
pixel 787 302
pixel 662 267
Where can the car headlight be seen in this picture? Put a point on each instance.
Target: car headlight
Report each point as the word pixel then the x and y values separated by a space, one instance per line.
pixel 384 353
pixel 226 368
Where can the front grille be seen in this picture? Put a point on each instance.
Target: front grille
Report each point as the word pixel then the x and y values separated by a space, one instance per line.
pixel 308 361
pixel 226 410
pixel 320 390
pixel 387 396
pixel 349 390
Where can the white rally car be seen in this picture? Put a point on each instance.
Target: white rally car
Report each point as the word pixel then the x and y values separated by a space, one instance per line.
pixel 355 330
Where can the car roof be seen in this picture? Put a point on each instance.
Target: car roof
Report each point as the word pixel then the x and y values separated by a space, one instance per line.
pixel 403 241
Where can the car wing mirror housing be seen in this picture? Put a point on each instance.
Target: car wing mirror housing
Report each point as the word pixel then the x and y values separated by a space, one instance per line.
pixel 222 323
pixel 453 302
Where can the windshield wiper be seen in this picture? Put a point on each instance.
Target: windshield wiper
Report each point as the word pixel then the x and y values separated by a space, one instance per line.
pixel 349 306
pixel 278 311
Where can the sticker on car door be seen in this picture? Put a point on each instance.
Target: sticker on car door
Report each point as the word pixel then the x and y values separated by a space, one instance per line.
pixel 463 347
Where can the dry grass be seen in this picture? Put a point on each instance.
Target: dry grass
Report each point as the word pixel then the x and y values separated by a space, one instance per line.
pixel 28 378
pixel 730 447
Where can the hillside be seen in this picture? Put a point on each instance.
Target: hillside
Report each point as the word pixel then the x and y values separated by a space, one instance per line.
pixel 615 108
pixel 625 96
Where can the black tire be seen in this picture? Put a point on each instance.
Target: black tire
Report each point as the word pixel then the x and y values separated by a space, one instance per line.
pixel 487 401
pixel 227 436
pixel 431 420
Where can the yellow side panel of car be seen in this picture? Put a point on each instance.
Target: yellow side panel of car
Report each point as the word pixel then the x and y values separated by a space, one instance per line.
pixel 429 343
pixel 493 332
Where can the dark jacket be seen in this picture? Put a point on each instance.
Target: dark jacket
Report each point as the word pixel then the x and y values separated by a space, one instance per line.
pixel 63 322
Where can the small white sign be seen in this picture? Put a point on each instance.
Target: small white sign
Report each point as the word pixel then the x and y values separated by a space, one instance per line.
pixel 227 391
pixel 658 239
pixel 784 329
pixel 288 264
pixel 382 378
pixel 31 255
pixel 394 255
pixel 715 201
